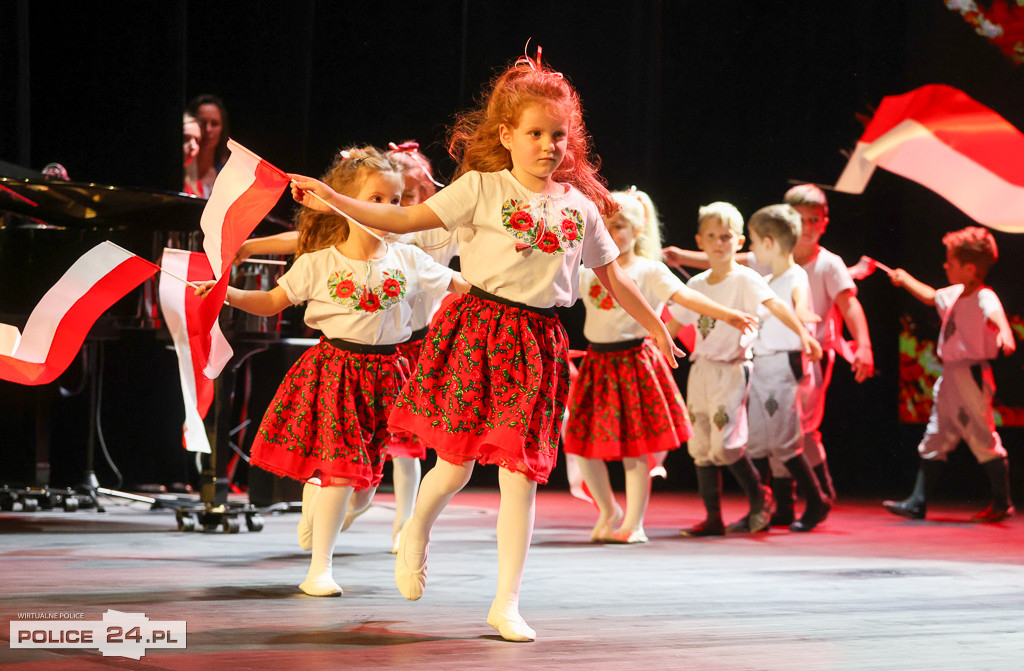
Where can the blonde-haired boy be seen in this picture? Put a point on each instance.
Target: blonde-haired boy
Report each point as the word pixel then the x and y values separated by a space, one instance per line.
pixel 780 367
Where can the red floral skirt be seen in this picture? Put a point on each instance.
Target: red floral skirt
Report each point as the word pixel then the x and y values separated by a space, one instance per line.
pixel 329 417
pixel 625 404
pixel 490 385
pixel 405 444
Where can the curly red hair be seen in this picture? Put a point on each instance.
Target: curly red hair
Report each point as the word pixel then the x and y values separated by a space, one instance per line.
pixel 474 143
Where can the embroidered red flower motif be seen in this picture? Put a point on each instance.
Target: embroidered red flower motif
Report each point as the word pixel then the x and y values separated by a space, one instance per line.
pixel 607 303
pixel 595 291
pixel 521 221
pixel 345 289
pixel 548 242
pixel 570 230
pixel 391 287
pixel 369 302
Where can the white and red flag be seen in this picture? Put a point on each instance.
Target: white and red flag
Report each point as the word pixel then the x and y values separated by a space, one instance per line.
pixel 246 189
pixel 945 140
pixel 61 320
pixel 180 307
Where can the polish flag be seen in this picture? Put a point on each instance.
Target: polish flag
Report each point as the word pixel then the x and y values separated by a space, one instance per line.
pixel 941 138
pixel 179 305
pixel 60 322
pixel 246 189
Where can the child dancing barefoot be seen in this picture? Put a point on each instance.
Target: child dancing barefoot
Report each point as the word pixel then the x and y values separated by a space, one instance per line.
pixel 328 420
pixel 624 405
pixel 491 383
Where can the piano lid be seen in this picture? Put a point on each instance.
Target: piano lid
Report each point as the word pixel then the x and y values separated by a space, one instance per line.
pixel 85 205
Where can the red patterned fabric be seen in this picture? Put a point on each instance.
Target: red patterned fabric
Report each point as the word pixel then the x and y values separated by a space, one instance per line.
pixel 490 385
pixel 625 404
pixel 405 444
pixel 329 417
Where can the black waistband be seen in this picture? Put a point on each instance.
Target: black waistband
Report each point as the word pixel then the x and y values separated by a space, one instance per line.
pixel 615 346
pixel 359 348
pixel 418 334
pixel 480 293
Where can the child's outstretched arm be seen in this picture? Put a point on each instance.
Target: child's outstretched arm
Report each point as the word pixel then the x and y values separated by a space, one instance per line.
pixel 802 306
pixel 260 303
pixel 623 290
pixel 382 216
pixel 282 243
pixel 698 302
pixel 916 287
pixel 788 317
pixel 1004 334
pixel 690 258
pixel 853 316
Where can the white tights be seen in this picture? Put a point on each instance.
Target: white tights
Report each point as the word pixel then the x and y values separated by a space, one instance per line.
pixel 406 478
pixel 514 527
pixel 638 493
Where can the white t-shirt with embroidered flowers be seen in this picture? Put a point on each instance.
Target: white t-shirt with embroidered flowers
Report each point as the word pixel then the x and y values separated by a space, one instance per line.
pixel 520 245
pixel 606 321
pixel 442 246
pixel 365 302
pixel 965 334
pixel 743 289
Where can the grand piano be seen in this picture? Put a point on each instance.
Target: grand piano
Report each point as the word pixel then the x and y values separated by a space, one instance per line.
pixel 45 225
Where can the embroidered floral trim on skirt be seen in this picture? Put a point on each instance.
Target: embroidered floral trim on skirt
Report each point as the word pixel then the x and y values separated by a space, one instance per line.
pixel 404 444
pixel 329 417
pixel 625 404
pixel 490 385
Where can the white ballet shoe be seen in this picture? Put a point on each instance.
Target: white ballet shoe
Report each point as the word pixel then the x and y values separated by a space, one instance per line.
pixel 394 541
pixel 411 582
pixel 626 537
pixel 602 530
pixel 511 627
pixel 322 585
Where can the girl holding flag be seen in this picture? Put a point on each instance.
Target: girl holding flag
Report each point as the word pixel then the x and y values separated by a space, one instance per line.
pixel 328 419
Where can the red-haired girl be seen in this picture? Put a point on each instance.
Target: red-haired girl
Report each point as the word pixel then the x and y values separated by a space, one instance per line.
pixel 491 383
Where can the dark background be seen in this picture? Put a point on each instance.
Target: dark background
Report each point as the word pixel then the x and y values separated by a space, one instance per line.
pixel 691 101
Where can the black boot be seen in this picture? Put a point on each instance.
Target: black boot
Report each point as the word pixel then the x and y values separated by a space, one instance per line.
pixel 915 506
pixel 709 483
pixel 764 469
pixel 1001 507
pixel 825 481
pixel 817 505
pixel 784 490
pixel 762 504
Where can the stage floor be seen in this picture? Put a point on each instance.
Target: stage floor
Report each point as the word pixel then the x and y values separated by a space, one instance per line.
pixel 864 591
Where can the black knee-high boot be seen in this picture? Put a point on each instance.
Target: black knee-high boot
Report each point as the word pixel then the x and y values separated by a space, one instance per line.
pixel 709 483
pixel 916 505
pixel 783 489
pixel 1001 507
pixel 817 505
pixel 825 480
pixel 762 505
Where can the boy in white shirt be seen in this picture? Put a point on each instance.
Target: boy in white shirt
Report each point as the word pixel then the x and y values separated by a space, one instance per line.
pixel 974 329
pixel 720 374
pixel 780 369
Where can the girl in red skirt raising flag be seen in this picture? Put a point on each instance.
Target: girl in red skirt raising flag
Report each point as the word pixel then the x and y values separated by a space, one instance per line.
pixel 625 405
pixel 491 383
pixel 327 422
